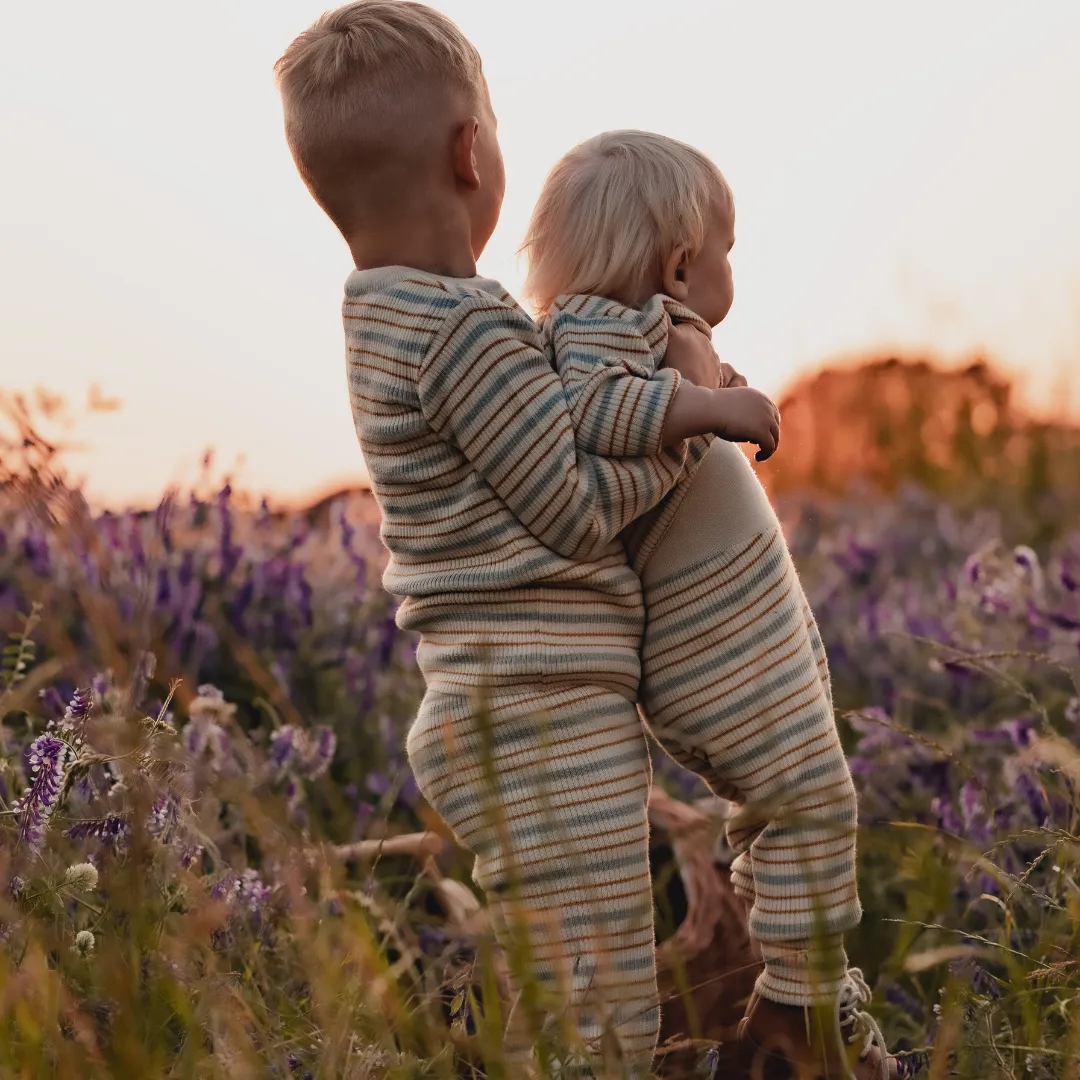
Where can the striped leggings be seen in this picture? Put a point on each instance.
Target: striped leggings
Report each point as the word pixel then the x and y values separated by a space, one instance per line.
pixel 548 786
pixel 735 686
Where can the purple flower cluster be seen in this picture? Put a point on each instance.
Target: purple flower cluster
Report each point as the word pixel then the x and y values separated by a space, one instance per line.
pixel 164 817
pixel 112 830
pixel 247 888
pixel 308 755
pixel 49 759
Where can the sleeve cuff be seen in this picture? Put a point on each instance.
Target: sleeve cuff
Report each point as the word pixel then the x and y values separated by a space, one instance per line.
pixel 644 423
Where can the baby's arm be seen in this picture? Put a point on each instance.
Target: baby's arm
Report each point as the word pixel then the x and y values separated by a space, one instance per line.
pixel 607 369
pixel 487 384
pixel 606 363
pixel 738 414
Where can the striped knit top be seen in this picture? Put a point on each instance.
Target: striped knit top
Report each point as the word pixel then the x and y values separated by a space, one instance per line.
pixel 467 438
pixel 595 343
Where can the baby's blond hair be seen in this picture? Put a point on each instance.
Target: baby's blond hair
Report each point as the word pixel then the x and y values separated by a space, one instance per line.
pixel 613 210
pixel 368 91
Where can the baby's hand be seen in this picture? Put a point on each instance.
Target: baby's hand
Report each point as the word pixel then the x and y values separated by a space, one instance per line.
pixel 749 416
pixel 730 377
pixel 691 354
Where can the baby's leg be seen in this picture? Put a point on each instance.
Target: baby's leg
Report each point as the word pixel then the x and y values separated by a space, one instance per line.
pixel 735 687
pixel 548 786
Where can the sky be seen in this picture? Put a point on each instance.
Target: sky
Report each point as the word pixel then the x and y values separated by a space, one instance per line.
pixel 905 177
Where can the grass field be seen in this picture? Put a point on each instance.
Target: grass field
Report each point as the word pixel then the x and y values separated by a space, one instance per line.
pixel 201 702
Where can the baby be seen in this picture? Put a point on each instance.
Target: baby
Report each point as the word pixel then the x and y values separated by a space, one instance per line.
pixel 631 227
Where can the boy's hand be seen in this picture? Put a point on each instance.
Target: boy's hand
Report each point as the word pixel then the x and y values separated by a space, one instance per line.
pixel 749 416
pixel 691 354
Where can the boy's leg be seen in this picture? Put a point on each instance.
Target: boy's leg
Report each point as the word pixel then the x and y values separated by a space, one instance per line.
pixel 548 786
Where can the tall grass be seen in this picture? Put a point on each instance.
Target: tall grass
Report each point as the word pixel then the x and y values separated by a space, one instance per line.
pixel 204 706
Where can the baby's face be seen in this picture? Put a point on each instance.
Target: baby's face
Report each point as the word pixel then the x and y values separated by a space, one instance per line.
pixel 707 278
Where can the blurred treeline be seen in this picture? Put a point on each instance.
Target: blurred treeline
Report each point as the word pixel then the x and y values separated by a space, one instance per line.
pixel 954 433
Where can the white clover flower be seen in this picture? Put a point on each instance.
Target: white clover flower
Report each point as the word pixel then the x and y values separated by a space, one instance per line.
pixel 82 877
pixel 84 943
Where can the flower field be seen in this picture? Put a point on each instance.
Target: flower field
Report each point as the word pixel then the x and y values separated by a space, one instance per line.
pixel 204 706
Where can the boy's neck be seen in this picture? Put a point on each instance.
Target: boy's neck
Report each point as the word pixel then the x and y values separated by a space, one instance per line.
pixel 434 238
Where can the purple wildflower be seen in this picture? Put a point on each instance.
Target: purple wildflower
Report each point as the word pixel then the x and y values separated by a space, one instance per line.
pixel 229 552
pixel 251 891
pixel 163 594
pixel 195 738
pixel 710 1062
pixel 377 783
pixel 240 603
pixel 186 573
pixel 114 829
pixel 74 718
pixel 36 549
pixel 188 852
pixel 1025 558
pixel 164 816
pixel 282 748
pixel 49 759
pixel 898 996
pixel 226 886
pixel 410 792
pixel 1063 621
pixel 946 815
pixel 1032 794
pixel 972 570
pixel 319 753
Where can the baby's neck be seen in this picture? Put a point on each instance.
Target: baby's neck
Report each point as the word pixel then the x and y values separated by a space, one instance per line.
pixel 434 237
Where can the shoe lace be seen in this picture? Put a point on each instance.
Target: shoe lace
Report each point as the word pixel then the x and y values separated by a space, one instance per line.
pixel 854 992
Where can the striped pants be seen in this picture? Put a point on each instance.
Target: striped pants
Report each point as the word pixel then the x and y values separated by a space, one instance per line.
pixel 548 786
pixel 735 686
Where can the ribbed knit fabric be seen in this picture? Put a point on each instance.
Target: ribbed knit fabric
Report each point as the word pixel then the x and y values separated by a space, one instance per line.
pixel 504 544
pixel 735 683
pixel 596 342
pixel 502 534
pixel 549 787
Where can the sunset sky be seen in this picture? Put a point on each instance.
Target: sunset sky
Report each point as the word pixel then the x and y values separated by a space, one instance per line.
pixel 907 177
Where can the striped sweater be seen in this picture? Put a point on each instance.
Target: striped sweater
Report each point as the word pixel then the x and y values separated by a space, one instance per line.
pixel 595 343
pixel 502 532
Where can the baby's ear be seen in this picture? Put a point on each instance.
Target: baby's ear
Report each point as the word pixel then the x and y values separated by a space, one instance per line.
pixel 675 275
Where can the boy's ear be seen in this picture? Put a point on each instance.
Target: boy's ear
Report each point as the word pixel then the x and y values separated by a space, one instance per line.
pixel 675 284
pixel 464 153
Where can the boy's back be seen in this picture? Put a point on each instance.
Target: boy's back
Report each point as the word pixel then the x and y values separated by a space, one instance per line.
pixel 500 540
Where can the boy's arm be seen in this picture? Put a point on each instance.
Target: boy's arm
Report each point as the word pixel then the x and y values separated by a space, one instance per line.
pixel 487 384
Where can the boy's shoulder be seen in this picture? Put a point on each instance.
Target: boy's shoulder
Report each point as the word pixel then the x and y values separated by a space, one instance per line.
pixel 417 292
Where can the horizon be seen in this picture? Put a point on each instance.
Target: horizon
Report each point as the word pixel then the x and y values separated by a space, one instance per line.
pixel 899 192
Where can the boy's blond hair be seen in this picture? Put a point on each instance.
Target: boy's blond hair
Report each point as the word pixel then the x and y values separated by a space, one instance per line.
pixel 613 210
pixel 368 91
